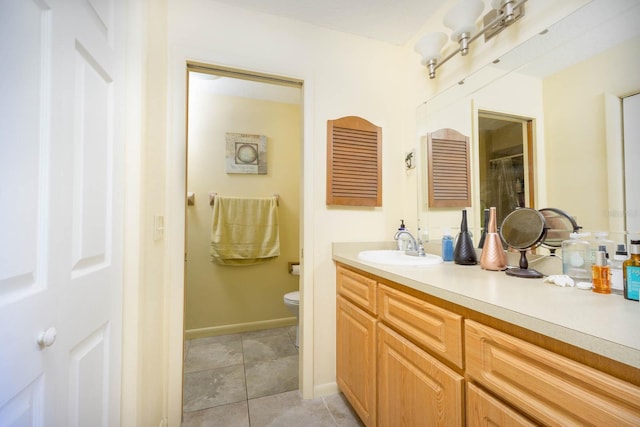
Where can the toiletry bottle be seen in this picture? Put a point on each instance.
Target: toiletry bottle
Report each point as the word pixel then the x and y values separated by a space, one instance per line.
pixel 447 245
pixel 483 236
pixel 601 238
pixel 402 240
pixel 464 252
pixel 621 256
pixel 600 272
pixel 493 256
pixel 631 272
pixel 576 257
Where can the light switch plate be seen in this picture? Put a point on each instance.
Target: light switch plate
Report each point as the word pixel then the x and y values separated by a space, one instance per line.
pixel 158 227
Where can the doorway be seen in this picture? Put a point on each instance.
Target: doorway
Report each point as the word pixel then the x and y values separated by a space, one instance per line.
pixel 505 163
pixel 223 300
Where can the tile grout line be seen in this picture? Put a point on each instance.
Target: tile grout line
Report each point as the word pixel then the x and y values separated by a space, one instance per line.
pixel 246 386
pixel 326 406
pixel 243 337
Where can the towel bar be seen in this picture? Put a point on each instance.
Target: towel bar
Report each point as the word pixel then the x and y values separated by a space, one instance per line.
pixel 212 197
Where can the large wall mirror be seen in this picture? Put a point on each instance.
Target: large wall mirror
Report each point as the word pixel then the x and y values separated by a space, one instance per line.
pixel 567 87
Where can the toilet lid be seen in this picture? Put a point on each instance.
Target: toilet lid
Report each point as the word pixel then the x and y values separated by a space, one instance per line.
pixel 292 297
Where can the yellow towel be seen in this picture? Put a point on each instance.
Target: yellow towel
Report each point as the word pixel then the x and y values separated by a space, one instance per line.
pixel 244 231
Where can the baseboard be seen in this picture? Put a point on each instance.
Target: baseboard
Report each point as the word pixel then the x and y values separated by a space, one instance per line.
pixel 325 389
pixel 239 327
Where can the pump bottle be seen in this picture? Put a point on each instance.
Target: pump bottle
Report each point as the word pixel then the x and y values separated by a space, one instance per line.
pixel 631 272
pixel 600 274
pixel 616 268
pixel 402 240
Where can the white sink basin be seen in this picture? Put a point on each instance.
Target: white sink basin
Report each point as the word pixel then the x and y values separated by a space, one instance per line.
pixel 394 257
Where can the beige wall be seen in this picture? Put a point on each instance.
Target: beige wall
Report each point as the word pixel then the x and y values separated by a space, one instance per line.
pixel 343 75
pixel 539 15
pixel 226 299
pixel 462 115
pixel 576 133
pixel 439 112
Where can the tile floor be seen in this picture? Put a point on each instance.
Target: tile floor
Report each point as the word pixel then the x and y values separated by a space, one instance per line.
pixel 251 380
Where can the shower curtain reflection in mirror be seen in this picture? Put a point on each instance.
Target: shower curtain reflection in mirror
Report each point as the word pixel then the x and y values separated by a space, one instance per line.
pixel 506 179
pixel 505 161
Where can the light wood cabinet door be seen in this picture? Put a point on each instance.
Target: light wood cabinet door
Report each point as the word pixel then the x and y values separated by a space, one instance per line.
pixel 415 389
pixel 485 410
pixel 547 387
pixel 356 358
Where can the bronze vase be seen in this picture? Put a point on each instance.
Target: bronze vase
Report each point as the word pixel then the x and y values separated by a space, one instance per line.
pixel 493 256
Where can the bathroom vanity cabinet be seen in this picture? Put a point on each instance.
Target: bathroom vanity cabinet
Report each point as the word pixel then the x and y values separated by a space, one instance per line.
pixel 407 358
pixel 356 344
pixel 385 376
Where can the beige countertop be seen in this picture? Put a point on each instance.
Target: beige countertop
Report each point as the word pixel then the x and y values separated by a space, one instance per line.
pixel 608 325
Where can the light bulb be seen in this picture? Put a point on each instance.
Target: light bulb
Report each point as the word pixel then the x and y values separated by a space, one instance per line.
pixel 430 46
pixel 462 17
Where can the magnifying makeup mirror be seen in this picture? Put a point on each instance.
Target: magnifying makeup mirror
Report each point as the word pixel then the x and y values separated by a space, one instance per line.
pixel 523 229
pixel 559 226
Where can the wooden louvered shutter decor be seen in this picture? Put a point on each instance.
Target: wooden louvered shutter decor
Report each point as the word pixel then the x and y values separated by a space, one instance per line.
pixel 449 172
pixel 354 162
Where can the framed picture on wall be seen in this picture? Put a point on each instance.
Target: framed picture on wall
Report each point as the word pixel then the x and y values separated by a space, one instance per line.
pixel 246 153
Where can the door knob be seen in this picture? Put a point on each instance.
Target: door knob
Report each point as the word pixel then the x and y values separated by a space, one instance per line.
pixel 48 337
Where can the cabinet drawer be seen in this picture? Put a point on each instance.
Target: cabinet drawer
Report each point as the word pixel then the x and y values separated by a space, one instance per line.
pixel 359 289
pixel 485 410
pixel 435 328
pixel 548 387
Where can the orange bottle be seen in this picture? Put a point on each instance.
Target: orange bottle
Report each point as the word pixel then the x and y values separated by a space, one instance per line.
pixel 601 274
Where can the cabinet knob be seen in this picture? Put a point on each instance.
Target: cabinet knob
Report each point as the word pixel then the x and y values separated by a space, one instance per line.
pixel 47 338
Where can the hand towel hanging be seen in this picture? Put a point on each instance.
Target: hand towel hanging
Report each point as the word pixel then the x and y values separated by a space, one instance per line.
pixel 244 231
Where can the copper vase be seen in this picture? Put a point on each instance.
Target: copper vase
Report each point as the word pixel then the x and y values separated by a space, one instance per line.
pixel 493 256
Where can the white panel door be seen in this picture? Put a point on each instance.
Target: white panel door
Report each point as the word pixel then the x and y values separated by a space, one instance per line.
pixel 61 208
pixel 631 112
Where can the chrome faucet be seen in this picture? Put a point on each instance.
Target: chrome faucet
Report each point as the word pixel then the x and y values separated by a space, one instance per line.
pixel 416 248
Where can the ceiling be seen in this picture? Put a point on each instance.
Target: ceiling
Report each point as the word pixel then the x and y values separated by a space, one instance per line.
pixel 392 21
pixel 590 30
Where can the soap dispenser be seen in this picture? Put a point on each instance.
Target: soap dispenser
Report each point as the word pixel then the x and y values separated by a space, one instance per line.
pixel 464 252
pixel 401 238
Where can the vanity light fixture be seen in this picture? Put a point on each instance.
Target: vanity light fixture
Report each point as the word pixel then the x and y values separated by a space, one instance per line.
pixel 461 19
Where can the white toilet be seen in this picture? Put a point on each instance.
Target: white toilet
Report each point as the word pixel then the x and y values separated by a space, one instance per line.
pixel 292 301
